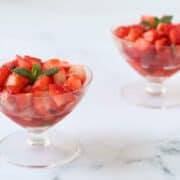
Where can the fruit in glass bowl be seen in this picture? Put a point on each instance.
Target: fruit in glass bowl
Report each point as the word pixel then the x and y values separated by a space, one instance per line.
pixel 37 94
pixel 152 48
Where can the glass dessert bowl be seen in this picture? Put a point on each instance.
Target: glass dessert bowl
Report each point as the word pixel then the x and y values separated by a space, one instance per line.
pixel 37 108
pixel 154 57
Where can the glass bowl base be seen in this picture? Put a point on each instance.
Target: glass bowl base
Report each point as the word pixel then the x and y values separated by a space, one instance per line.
pixel 135 93
pixel 60 150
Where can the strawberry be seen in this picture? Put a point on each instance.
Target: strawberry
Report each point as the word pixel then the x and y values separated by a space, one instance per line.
pixel 163 29
pixel 58 94
pixel 79 71
pixel 142 45
pixel 43 103
pixel 174 35
pixel 51 63
pixel 27 89
pixel 15 83
pixel 11 65
pixel 22 63
pixel 59 77
pixel 149 19
pixel 65 65
pixel 32 60
pixel 135 32
pixel 150 35
pixel 4 73
pixel 164 56
pixel 23 101
pixel 122 31
pixel 74 82
pixel 161 43
pixel 42 83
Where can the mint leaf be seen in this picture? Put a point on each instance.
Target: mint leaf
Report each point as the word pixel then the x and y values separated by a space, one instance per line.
pixel 166 19
pixel 49 72
pixel 35 71
pixel 24 72
pixel 156 22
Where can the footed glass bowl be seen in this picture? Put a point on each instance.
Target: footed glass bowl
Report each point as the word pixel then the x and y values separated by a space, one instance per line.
pixel 37 113
pixel 156 66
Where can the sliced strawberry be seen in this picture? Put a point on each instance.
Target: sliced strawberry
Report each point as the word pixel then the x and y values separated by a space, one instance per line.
pixel 149 19
pixel 74 82
pixel 43 104
pixel 23 101
pixel 151 35
pixel 161 43
pixel 42 83
pixel 59 77
pixel 4 73
pixel 142 45
pixel 7 101
pixel 79 71
pixel 51 63
pixel 174 35
pixel 22 63
pixel 27 89
pixel 163 29
pixel 58 94
pixel 134 33
pixel 15 83
pixel 32 60
pixel 164 56
pixel 65 65
pixel 122 31
pixel 11 65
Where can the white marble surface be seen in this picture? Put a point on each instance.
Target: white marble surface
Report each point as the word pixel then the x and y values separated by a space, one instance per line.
pixel 119 141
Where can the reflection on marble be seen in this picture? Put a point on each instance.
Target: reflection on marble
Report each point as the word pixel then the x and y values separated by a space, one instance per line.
pixel 106 160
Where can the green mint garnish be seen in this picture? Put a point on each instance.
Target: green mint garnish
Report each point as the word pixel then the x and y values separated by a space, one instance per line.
pixel 35 72
pixel 157 21
pixel 166 19
pixel 49 72
pixel 24 72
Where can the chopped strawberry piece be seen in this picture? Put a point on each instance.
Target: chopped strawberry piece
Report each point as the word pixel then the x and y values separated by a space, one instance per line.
pixel 32 60
pixel 42 83
pixel 149 19
pixel 74 82
pixel 11 65
pixel 122 31
pixel 4 73
pixel 51 63
pixel 163 29
pixel 58 94
pixel 142 45
pixel 174 35
pixel 15 83
pixel 27 89
pixel 135 33
pixel 22 63
pixel 65 65
pixel 79 71
pixel 23 101
pixel 151 35
pixel 43 103
pixel 59 77
pixel 161 43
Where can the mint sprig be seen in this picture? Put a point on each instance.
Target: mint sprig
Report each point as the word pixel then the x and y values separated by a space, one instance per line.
pixel 35 72
pixel 157 21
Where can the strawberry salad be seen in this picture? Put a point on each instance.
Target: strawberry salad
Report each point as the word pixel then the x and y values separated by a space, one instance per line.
pixel 37 93
pixel 152 46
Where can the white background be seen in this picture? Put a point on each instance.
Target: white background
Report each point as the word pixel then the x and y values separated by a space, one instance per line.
pixel 83 27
